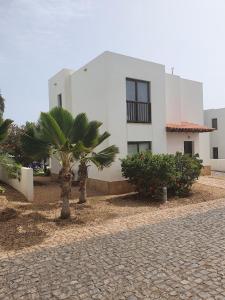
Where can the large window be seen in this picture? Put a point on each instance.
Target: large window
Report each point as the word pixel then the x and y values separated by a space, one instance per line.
pixel 136 147
pixel 59 100
pixel 138 101
pixel 214 123
pixel 215 153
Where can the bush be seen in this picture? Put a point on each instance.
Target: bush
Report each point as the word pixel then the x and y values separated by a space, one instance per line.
pixel 150 172
pixel 188 169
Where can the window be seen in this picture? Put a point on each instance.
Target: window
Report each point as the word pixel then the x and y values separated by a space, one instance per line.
pixel 138 101
pixel 189 147
pixel 136 147
pixel 214 123
pixel 59 99
pixel 215 153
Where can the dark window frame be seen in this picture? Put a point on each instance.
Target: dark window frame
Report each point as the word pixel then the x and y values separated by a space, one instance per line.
pixel 138 145
pixel 217 152
pixel 136 102
pixel 59 100
pixel 215 126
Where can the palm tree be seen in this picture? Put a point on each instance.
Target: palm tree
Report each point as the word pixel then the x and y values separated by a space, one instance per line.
pixel 66 138
pixel 90 138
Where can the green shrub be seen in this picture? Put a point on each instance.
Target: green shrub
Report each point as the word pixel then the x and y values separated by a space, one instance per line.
pixel 188 169
pixel 150 172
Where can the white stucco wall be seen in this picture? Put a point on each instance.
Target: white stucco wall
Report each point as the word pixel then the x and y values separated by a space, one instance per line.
pixel 218 165
pixel 175 141
pixel 217 137
pixel 184 100
pixel 60 84
pixel 24 185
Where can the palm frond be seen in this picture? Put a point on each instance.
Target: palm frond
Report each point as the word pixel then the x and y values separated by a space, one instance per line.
pixel 91 137
pixel 63 118
pixel 105 157
pixel 79 150
pixel 102 137
pixel 79 128
pixel 50 130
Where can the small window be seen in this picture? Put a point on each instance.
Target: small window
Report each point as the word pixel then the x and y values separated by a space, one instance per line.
pixel 214 123
pixel 136 147
pixel 59 98
pixel 215 153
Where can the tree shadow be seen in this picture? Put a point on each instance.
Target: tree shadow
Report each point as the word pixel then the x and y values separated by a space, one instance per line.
pixel 23 231
pixel 134 200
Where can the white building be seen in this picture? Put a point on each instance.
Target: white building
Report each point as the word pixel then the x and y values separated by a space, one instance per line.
pixel 139 104
pixel 215 118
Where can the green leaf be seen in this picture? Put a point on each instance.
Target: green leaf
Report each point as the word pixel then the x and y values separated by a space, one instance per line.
pixel 105 157
pixel 63 118
pixel 51 131
pixel 79 128
pixel 91 136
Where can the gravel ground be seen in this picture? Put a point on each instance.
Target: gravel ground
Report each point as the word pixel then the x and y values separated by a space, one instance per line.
pixel 36 224
pixel 114 248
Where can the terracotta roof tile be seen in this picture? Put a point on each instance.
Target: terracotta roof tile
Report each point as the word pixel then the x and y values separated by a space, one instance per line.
pixel 187 127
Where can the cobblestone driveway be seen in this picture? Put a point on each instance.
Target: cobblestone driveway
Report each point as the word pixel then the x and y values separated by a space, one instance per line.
pixel 182 258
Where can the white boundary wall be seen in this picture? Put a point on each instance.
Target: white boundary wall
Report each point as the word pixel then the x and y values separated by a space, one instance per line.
pixel 25 185
pixel 218 165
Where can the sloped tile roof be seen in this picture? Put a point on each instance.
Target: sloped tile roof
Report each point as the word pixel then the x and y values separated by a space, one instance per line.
pixel 187 127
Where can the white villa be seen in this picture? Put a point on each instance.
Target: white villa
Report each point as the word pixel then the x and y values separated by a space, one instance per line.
pixel 215 118
pixel 141 105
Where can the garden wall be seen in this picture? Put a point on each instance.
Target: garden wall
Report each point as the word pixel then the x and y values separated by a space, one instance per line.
pixel 24 185
pixel 218 165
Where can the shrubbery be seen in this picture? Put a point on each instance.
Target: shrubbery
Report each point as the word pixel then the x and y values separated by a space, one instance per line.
pixel 149 173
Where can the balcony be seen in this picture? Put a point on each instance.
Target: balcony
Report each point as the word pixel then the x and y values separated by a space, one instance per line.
pixel 138 112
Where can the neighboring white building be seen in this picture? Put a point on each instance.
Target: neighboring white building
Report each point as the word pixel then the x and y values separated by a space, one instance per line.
pixel 139 104
pixel 215 118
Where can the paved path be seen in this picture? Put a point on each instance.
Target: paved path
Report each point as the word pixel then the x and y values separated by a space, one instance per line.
pixel 181 258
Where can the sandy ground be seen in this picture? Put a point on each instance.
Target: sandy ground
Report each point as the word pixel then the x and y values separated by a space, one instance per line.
pixel 31 224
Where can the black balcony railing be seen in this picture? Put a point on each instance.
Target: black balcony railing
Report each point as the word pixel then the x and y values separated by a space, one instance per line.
pixel 138 112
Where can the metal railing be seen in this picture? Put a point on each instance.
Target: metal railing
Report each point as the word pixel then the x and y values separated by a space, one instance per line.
pixel 138 112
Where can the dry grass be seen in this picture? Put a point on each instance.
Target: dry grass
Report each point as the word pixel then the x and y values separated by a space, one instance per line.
pixel 28 224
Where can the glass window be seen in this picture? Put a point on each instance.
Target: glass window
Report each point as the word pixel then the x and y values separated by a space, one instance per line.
pixel 136 147
pixel 131 90
pixel 132 148
pixel 59 100
pixel 214 123
pixel 142 91
pixel 138 101
pixel 144 146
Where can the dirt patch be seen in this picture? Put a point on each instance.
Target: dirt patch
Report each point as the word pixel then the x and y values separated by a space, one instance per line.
pixel 31 223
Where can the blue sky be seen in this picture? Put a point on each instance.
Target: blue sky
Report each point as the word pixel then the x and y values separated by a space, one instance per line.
pixel 39 37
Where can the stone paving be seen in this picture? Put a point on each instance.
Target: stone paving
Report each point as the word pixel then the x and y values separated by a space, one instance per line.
pixel 180 258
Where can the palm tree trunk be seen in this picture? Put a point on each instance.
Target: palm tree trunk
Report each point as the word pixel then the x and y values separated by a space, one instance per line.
pixel 66 182
pixel 83 183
